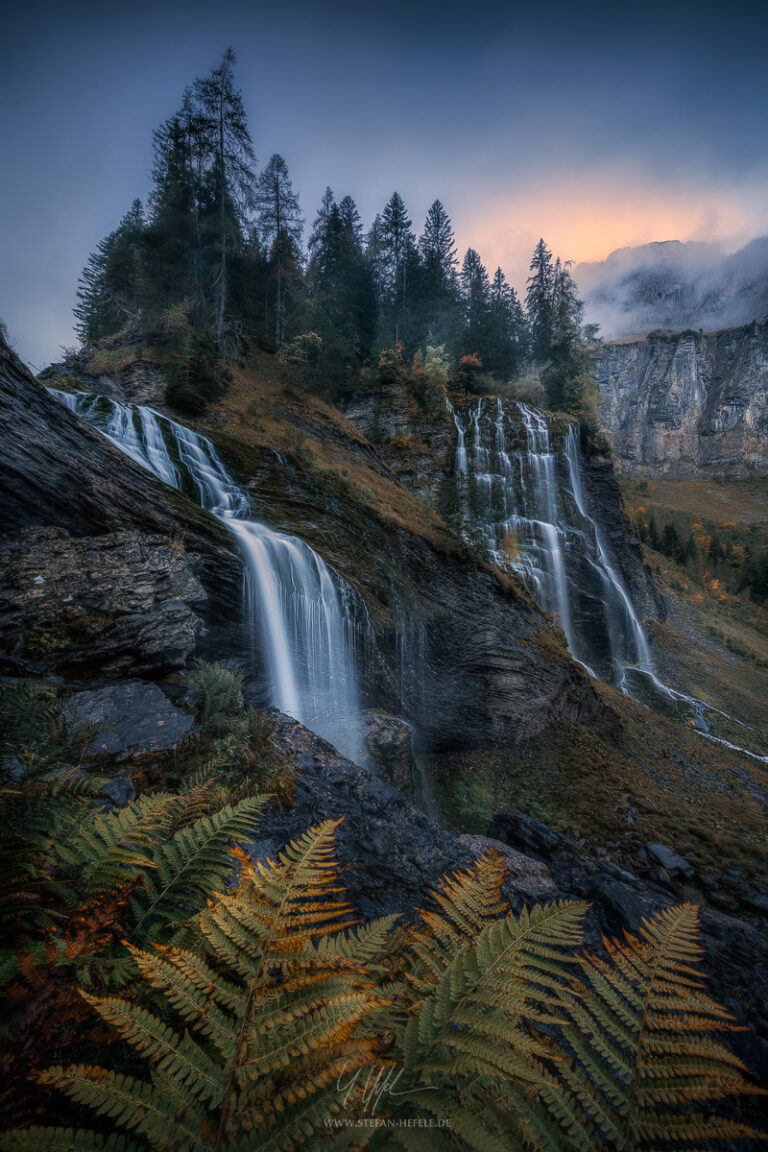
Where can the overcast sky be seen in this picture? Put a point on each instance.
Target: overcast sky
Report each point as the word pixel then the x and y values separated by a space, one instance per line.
pixel 595 128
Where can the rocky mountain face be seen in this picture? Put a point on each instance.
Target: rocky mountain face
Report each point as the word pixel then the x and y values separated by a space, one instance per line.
pixel 420 449
pixel 687 404
pixel 124 576
pixel 675 286
pixel 104 569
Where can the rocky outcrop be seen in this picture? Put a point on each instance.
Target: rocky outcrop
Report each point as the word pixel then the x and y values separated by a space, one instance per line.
pixel 392 852
pixel 126 721
pixel 689 404
pixel 121 602
pixel 388 741
pixel 113 368
pixel 632 885
pixel 57 472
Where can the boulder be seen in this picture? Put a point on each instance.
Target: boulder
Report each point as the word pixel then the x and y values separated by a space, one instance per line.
pixel 669 860
pixel 388 741
pixel 526 875
pixel 526 834
pixel 128 720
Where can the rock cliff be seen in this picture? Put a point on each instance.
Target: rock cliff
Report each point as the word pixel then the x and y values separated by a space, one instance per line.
pixel 689 404
pixel 119 572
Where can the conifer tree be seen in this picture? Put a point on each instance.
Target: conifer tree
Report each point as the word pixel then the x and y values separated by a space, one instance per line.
pixel 280 224
pixel 110 289
pixel 476 299
pixel 227 154
pixel 437 247
pixel 505 344
pixel 399 265
pixel 539 302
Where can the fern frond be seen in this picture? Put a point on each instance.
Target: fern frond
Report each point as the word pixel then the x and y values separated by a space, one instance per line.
pixel 641 1037
pixel 178 1057
pixel 63 1140
pixel 192 865
pixel 132 1104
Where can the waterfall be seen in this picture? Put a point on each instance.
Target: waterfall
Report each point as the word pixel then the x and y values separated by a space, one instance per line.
pixel 299 612
pixel 521 490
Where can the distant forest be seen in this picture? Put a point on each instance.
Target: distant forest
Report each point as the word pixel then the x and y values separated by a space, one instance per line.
pixel 214 266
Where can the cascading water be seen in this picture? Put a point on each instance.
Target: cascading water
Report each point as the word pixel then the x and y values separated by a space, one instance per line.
pixel 299 612
pixel 527 502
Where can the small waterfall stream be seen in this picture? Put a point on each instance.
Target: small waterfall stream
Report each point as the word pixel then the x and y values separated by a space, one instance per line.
pixel 521 490
pixel 298 610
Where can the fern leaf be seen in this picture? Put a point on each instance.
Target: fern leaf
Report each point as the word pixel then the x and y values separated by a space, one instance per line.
pixel 641 1038
pixel 131 1104
pixel 63 1140
pixel 195 863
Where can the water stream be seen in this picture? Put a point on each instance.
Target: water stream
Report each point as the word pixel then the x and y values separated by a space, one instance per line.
pixel 297 609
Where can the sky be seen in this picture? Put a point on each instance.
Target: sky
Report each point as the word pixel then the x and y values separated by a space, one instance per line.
pixel 594 126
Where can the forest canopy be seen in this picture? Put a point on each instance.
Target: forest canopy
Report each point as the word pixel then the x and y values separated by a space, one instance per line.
pixel 215 264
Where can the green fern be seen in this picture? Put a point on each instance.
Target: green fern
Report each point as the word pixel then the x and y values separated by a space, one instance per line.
pixel 270 1015
pixel 475 981
pixel 643 1053
pixel 187 868
pixel 64 1140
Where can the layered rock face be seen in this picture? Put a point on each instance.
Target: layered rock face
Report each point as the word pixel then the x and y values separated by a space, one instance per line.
pixel 689 404
pixel 118 602
pixel 125 571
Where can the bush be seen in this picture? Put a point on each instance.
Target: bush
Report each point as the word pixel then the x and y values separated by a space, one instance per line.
pixel 221 698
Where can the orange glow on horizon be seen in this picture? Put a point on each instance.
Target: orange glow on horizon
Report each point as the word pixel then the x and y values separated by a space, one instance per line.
pixel 589 223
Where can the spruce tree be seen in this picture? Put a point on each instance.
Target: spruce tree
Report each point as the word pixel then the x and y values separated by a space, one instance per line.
pixel 111 285
pixel 227 158
pixel 399 258
pixel 476 299
pixel 539 303
pixel 280 225
pixel 439 289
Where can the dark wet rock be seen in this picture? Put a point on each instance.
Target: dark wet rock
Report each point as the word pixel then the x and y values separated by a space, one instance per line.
pixel 128 720
pixel 118 791
pixel 122 602
pixel 57 471
pixel 669 861
pixel 388 741
pixel 391 851
pixel 527 876
pixel 12 767
pixel 526 834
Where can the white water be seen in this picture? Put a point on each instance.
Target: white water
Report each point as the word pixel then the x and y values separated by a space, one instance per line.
pixel 297 609
pixel 533 515
pixel 535 519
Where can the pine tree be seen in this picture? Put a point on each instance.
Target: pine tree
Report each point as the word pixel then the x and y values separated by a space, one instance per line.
pixel 227 154
pixel 280 224
pixel 111 284
pixel 437 247
pixel 539 303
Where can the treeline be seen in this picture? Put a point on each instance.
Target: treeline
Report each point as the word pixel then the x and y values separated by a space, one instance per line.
pixel 729 558
pixel 214 265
